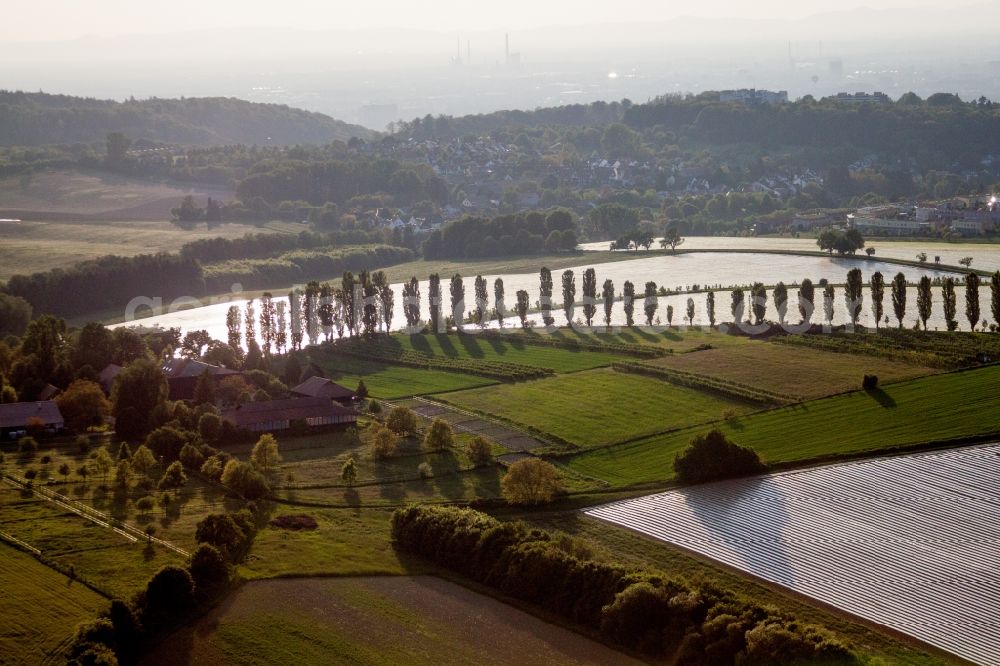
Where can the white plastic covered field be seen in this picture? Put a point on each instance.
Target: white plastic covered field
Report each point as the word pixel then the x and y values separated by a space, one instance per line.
pixel 910 542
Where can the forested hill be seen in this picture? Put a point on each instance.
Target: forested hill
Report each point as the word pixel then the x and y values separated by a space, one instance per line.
pixel 31 119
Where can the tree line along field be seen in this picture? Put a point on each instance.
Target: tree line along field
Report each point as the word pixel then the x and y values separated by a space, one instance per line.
pixel 940 408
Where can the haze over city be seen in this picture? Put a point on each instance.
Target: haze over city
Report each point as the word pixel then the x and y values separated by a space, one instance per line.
pixel 372 63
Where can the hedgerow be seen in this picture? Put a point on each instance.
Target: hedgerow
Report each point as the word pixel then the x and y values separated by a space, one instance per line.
pixel 638 351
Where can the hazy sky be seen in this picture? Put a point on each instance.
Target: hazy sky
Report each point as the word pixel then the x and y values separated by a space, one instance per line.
pixel 43 20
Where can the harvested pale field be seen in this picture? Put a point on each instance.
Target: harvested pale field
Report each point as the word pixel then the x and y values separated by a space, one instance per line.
pixel 384 620
pixel 804 373
pixel 910 542
pixel 71 195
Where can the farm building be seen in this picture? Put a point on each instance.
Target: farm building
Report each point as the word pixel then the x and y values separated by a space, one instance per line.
pixel 281 414
pixel 182 376
pixel 320 387
pixel 15 417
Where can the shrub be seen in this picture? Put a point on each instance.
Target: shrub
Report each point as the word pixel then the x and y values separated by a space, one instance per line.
pixel 869 382
pixel 401 420
pixel 209 569
pixel 191 457
pixel 384 442
pixel 439 436
pixel 209 427
pixel 713 456
pixel 295 523
pixel 169 594
pixel 480 452
pixel 145 504
pixel 245 480
pixel 530 481
pixel 27 446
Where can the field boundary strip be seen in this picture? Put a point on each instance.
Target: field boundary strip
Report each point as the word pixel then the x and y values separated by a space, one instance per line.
pixel 17 543
pixel 130 533
pixel 693 380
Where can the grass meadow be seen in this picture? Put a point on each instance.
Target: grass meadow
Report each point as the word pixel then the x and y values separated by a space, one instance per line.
pixel 937 408
pixel 597 407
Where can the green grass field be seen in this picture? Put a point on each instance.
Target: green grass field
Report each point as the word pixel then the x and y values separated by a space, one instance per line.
pixel 477 347
pixel 937 408
pixel 392 381
pixel 799 371
pixel 596 407
pixel 41 608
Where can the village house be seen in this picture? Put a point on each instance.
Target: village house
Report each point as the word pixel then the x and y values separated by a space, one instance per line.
pixel 183 374
pixel 276 415
pixel 17 417
pixel 321 387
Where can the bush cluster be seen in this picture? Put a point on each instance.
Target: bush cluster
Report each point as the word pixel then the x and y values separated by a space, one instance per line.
pixel 712 456
pixel 642 610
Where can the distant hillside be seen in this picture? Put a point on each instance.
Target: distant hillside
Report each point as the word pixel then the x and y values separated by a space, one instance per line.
pixel 32 119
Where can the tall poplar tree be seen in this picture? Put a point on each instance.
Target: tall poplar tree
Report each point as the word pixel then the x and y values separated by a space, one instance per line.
pixel 589 295
pixel 482 302
pixel 233 325
pixel 568 294
pixel 499 302
pixel 434 297
pixel 950 305
pixel 457 300
pixel 878 296
pixel 972 300
pixel 807 300
pixel 853 294
pixel 545 295
pixel 628 302
pixel 899 297
pixel 925 300
pixel 608 294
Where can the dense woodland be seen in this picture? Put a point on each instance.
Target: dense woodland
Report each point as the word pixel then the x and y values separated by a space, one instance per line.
pixel 33 119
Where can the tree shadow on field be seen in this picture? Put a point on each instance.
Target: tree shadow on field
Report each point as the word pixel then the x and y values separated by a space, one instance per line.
pixel 486 482
pixel 353 499
pixel 498 345
pixel 447 346
pixel 420 344
pixel 471 345
pixel 882 398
